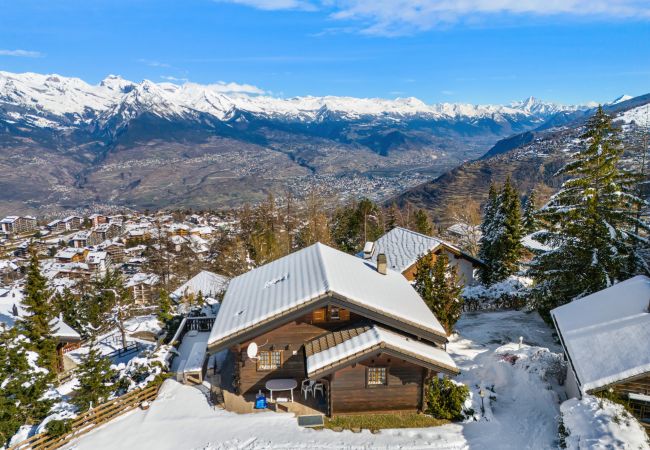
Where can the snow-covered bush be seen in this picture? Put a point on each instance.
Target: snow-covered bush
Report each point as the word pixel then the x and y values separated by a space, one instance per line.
pixel 507 294
pixel 445 399
pixel 597 423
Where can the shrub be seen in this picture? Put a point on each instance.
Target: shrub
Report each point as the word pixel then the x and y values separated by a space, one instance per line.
pixel 445 399
pixel 58 428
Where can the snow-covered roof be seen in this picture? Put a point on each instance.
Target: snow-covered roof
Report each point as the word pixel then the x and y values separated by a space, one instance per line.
pixel 142 278
pixel 206 282
pixel 311 274
pixel 607 334
pixel 404 247
pixel 68 253
pixel 62 330
pixel 321 355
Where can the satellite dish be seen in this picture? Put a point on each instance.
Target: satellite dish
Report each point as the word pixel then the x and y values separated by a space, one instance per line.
pixel 251 351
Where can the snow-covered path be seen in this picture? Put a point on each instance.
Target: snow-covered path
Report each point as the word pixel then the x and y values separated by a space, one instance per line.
pixel 523 416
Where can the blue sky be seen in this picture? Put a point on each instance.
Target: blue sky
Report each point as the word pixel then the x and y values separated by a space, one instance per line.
pixel 478 51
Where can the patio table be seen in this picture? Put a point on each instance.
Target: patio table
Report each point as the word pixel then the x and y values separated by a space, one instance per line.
pixel 281 384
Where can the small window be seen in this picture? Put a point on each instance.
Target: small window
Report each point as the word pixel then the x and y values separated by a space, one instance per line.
pixel 269 360
pixel 376 376
pixel 335 313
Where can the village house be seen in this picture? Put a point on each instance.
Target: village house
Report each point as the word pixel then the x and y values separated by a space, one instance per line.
pixel 17 225
pixel 97 220
pixel 143 288
pixel 115 250
pixel 56 226
pixel 348 336
pixel 98 262
pixel 404 248
pixel 67 339
pixel 606 341
pixel 72 223
pixel 80 239
pixel 209 284
pixel 104 232
pixel 70 255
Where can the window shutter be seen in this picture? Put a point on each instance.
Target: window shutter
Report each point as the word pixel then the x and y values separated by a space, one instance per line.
pixel 319 315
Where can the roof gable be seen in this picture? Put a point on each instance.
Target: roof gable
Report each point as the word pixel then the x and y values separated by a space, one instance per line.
pixel 297 280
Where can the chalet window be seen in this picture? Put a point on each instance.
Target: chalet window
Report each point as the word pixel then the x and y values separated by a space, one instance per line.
pixel 376 376
pixel 269 360
pixel 335 313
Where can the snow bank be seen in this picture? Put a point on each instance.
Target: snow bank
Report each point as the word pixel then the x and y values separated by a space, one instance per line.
pixel 594 423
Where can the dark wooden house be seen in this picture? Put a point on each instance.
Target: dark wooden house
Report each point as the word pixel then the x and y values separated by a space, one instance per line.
pixel 323 316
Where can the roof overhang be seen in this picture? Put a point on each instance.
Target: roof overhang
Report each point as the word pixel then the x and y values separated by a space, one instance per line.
pixel 329 297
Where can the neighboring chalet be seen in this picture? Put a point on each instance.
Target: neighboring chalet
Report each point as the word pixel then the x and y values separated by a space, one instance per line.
pixel 606 340
pixel 324 318
pixel 209 284
pixel 67 339
pixel 143 288
pixel 404 248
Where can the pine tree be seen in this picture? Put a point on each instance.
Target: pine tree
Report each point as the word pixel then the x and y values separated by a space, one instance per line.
pixel 423 223
pixel 507 234
pixel 589 222
pixel 486 247
pixel 95 380
pixel 23 384
pixel 165 306
pixel 529 220
pixel 446 303
pixel 423 281
pixel 35 325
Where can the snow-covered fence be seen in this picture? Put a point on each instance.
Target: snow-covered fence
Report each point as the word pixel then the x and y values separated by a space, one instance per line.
pixel 90 420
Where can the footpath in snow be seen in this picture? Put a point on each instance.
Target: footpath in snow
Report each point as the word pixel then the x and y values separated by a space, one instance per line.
pixel 521 410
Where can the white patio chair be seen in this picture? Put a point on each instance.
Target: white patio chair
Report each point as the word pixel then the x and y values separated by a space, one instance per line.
pixel 307 386
pixel 318 387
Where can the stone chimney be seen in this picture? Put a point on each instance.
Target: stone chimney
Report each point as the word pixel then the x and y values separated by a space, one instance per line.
pixel 382 263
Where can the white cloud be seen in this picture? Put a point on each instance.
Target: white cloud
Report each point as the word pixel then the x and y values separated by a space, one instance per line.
pixel 173 79
pixel 21 53
pixel 153 63
pixel 236 88
pixel 447 92
pixel 400 17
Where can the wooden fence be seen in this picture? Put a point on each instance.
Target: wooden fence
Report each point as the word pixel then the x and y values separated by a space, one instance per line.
pixel 90 420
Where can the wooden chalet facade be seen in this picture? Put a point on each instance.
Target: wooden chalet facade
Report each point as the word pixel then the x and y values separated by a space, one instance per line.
pixel 404 248
pixel 328 317
pixel 606 341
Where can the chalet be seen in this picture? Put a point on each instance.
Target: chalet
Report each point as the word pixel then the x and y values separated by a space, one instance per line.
pixel 143 288
pixel 98 262
pixel 56 226
pixel 72 222
pixel 67 339
pixel 115 250
pixel 606 341
pixel 334 326
pixel 70 255
pixel 404 248
pixel 17 225
pixel 209 284
pixel 98 219
pixel 80 239
pixel 104 232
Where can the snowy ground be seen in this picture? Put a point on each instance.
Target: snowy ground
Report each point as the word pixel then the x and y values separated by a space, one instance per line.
pixel 521 410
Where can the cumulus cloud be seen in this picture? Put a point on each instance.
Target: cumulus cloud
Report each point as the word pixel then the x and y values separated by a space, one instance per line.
pixel 20 53
pixel 399 17
pixel 236 88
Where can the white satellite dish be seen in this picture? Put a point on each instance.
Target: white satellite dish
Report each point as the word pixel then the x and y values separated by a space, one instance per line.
pixel 251 351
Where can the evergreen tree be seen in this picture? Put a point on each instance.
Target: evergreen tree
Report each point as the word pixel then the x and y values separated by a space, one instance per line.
pixel 437 284
pixel 23 384
pixel 589 222
pixel 486 248
pixel 35 325
pixel 66 305
pixel 529 220
pixel 165 306
pixel 423 223
pixel 507 234
pixel 447 304
pixel 95 380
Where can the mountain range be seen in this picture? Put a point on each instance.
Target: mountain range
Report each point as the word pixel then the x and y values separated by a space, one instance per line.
pixel 531 159
pixel 65 143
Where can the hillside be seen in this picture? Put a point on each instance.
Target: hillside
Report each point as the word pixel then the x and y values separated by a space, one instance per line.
pixel 531 159
pixel 67 144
